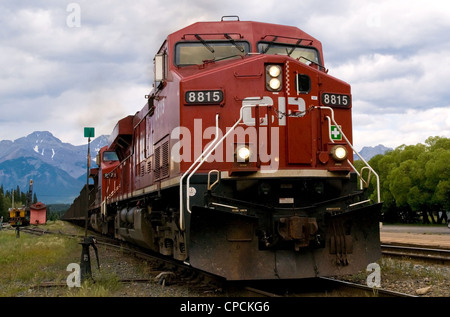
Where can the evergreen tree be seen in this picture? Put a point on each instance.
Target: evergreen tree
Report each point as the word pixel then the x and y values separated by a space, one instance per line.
pixel 3 211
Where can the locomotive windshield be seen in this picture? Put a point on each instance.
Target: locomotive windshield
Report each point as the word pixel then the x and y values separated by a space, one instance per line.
pixel 196 53
pixel 110 156
pixel 303 54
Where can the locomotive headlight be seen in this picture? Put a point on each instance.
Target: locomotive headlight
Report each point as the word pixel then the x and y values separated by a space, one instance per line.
pixel 273 77
pixel 243 154
pixel 274 70
pixel 339 153
pixel 274 84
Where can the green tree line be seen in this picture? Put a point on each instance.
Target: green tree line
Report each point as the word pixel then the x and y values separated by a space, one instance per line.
pixel 6 199
pixel 414 181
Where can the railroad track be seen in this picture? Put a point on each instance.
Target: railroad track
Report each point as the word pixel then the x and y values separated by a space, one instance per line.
pixel 40 231
pixel 435 255
pixel 164 268
pixel 363 290
pixel 319 287
pixel 164 276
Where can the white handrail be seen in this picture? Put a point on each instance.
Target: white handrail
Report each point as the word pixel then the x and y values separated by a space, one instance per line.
pixel 205 155
pixel 349 143
pixel 189 169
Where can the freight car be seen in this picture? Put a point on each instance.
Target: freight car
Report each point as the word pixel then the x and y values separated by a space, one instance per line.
pixel 240 163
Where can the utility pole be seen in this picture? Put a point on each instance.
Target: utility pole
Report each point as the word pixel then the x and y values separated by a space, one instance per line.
pixel 85 265
pixel 88 132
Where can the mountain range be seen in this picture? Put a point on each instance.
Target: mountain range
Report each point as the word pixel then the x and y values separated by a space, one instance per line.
pixel 367 152
pixel 58 169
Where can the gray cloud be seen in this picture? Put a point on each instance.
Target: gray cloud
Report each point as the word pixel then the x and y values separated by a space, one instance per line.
pixel 60 78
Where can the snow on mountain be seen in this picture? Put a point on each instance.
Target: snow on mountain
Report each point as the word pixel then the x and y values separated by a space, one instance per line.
pixel 56 168
pixel 51 150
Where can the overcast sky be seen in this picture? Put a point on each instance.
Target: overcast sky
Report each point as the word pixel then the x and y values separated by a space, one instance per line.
pixel 66 65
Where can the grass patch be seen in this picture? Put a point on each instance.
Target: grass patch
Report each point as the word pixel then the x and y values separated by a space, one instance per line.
pixel 103 286
pixel 403 269
pixel 31 260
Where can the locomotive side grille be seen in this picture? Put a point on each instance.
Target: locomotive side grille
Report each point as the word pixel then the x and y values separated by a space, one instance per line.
pixel 165 159
pixel 162 160
pixel 157 163
pixel 149 165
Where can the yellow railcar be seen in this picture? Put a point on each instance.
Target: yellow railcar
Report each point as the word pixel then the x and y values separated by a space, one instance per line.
pixel 17 217
pixel 21 216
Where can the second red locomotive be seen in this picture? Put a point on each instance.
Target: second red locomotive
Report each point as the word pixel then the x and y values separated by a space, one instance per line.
pixel 240 163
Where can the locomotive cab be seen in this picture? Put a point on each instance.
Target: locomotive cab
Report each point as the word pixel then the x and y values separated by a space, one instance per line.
pixel 107 162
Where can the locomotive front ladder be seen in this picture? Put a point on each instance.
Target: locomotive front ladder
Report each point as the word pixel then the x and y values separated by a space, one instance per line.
pixel 363 182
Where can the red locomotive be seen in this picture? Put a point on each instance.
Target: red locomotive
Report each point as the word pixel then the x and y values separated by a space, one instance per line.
pixel 240 163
